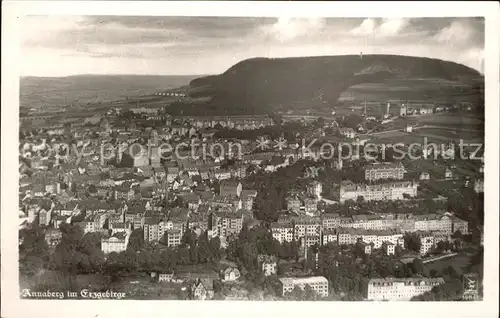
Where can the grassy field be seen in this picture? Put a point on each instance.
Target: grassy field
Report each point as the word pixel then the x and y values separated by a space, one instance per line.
pixel 400 137
pixel 444 119
pixel 460 262
pixel 452 135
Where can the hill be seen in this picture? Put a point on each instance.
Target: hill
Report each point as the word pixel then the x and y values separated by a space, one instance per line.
pixel 260 83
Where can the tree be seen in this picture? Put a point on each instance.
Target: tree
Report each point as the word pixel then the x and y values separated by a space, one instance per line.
pixel 33 251
pixel 417 266
pixel 294 250
pixel 440 247
pixel 215 247
pixel 188 238
pixel 412 242
pixel 136 240
pixel 204 250
pixel 183 255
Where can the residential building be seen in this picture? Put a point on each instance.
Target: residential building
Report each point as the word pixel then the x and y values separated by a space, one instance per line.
pixel 365 247
pixel 306 226
pixel 227 223
pixel 385 170
pixel 426 243
pixel 165 277
pixel 433 223
pixel 389 248
pixel 282 231
pixel 230 274
pixel 329 236
pixel 44 216
pixel 400 288
pixel 293 204
pixel 448 174
pixel 460 225
pixel 174 237
pixel 118 242
pixel 314 189
pixel 202 289
pixel 153 229
pixel 330 220
pixel 317 283
pixel 347 132
pixel 425 176
pixel 230 188
pixel 268 264
pixel 395 190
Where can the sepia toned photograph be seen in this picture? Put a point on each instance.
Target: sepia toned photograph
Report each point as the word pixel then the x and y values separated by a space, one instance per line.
pixel 251 158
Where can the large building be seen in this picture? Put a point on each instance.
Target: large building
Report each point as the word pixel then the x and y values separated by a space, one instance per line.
pixel 433 223
pixel 400 288
pixel 231 122
pixel 227 223
pixel 282 231
pixel 314 189
pixel 385 170
pixel 116 243
pixel 395 190
pixel 317 283
pixel 349 236
pixel 426 242
pixel 460 225
pixel 230 188
pixel 306 226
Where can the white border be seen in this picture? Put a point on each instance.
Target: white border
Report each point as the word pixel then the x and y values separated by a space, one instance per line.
pixel 13 307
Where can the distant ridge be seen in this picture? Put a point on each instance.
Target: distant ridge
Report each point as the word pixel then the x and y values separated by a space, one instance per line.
pixel 260 82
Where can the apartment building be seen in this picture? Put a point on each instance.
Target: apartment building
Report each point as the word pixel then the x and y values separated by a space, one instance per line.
pixel 293 204
pixel 426 242
pixel 400 288
pixel 329 236
pixel 317 283
pixel 268 264
pixel 314 188
pixel 227 223
pixel 384 170
pixel 393 190
pixel 310 227
pixel 310 240
pixel 230 188
pixel 459 225
pixel 349 236
pixel 44 217
pixel 330 220
pixel 118 242
pixel 153 229
pixel 434 223
pixel 174 237
pixel 120 227
pixel 389 248
pixel 282 231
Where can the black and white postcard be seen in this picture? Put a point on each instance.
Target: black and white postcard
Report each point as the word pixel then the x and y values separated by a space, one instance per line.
pixel 326 157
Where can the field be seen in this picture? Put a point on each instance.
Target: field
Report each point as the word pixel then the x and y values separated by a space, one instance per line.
pixel 413 89
pixel 82 90
pixel 400 137
pixel 451 135
pixel 460 262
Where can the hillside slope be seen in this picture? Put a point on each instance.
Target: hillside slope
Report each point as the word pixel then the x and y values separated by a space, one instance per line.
pixel 260 82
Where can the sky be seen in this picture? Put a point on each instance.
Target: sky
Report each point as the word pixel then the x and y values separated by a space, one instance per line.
pixel 54 46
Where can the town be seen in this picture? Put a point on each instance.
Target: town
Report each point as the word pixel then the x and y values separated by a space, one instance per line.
pixel 266 221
